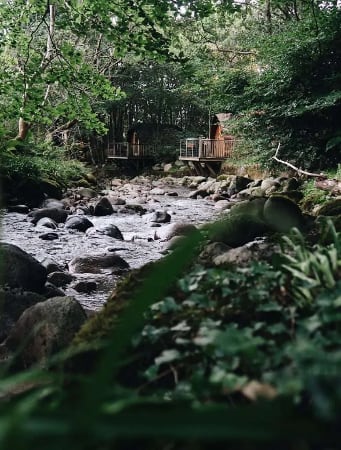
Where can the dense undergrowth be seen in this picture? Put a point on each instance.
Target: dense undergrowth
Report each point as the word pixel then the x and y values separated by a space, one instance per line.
pixel 23 162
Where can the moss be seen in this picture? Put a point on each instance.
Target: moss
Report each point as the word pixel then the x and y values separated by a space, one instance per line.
pixel 102 323
pixel 253 207
pixel 242 224
pixel 312 197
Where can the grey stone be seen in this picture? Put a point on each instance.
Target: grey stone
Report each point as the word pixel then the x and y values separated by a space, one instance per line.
pixel 175 229
pixel 96 263
pixel 157 191
pixel 87 192
pixel 198 193
pixel 212 250
pixel 242 256
pixel 223 204
pixel 13 303
pixel 20 209
pixel 269 183
pixel 79 223
pixel 47 223
pixel 103 207
pixel 59 279
pixel 45 329
pixel 50 290
pixel 50 265
pixel 19 269
pixel 168 167
pixel 110 230
pixel 48 236
pixel 56 214
pixel 116 200
pixel 85 286
pixel 161 217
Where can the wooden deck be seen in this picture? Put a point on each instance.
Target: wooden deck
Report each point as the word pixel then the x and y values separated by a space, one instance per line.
pixel 124 150
pixel 203 150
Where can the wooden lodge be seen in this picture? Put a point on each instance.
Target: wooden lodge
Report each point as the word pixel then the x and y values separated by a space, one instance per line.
pixel 209 153
pixel 217 147
pixel 127 150
pixel 143 142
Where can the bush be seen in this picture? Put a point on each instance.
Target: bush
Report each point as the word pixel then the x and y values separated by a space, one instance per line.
pixel 28 162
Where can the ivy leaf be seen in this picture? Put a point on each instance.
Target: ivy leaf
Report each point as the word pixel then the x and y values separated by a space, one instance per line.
pixel 167 356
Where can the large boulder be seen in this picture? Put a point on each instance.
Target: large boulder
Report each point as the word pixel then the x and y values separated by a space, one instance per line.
pixel 103 207
pixel 45 329
pixel 242 256
pixel 56 214
pixel 242 224
pixel 282 214
pixel 269 183
pixel 237 229
pixel 97 263
pixel 175 229
pixel 13 303
pixel 330 208
pixel 29 192
pixel 51 189
pixel 238 184
pixel 20 270
pixel 87 192
pixel 79 223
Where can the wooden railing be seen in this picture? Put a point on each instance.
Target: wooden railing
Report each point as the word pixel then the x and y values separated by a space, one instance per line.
pixel 198 148
pixel 124 150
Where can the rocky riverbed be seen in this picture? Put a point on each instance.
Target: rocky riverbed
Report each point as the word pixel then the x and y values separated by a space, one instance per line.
pixel 138 208
pixel 66 256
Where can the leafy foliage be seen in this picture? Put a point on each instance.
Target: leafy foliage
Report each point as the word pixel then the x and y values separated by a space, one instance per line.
pixel 221 338
pixel 36 163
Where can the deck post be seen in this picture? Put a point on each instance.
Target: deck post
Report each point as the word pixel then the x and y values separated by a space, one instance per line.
pixel 200 148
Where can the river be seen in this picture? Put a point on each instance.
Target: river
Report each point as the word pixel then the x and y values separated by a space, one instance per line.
pixel 137 248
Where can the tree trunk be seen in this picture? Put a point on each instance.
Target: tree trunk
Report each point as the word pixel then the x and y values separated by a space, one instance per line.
pixel 23 130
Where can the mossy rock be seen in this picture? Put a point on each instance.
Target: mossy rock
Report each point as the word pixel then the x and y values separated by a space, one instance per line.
pixel 90 178
pixel 242 224
pixel 253 207
pixel 331 208
pixel 282 214
pixel 51 188
pixel 313 198
pixel 100 326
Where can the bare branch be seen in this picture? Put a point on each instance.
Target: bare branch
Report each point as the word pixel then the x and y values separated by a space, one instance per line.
pixel 300 171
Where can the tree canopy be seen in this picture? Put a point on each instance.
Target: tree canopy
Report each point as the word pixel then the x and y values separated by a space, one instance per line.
pixel 274 65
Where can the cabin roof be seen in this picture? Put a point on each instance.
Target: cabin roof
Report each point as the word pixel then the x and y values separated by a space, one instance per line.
pixel 222 117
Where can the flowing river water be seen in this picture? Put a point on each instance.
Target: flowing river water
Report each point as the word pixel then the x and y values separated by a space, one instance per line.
pixel 138 247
